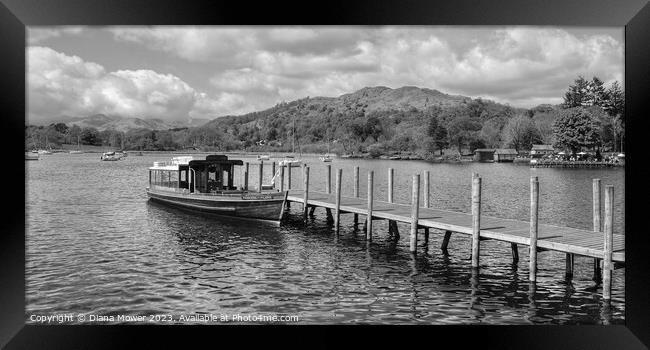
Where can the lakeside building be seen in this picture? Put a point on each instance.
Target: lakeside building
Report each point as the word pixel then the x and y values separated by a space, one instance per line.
pixel 539 151
pixel 484 155
pixel 505 155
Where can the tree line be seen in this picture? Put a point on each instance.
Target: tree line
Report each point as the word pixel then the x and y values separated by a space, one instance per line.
pixel 591 116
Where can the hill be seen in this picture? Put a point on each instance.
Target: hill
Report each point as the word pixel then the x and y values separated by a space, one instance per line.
pixel 103 122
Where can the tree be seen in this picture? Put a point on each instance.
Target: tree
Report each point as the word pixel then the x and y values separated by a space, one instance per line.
pixel 90 136
pixel 438 134
pixel 578 93
pixel 597 93
pixel 576 128
pixel 521 133
pixel 463 130
pixel 490 133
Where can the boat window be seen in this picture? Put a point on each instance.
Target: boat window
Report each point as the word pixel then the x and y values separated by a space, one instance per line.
pixel 183 175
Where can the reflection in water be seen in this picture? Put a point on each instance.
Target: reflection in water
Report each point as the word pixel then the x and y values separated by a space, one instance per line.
pixel 97 245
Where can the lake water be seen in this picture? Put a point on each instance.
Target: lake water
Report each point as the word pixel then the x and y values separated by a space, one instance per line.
pixel 96 246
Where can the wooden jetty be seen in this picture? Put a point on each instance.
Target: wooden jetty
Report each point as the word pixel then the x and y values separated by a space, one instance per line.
pixel 600 244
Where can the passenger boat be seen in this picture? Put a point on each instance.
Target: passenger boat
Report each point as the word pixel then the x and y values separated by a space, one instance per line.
pixel 208 186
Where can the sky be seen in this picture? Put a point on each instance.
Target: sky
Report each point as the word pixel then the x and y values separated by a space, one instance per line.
pixel 176 73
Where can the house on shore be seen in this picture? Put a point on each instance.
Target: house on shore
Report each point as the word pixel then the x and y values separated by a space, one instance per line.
pixel 505 154
pixel 539 151
pixel 484 155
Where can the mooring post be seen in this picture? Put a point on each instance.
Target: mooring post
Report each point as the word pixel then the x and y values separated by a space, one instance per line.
pixel 281 178
pixel 476 219
pixel 246 168
pixel 356 191
pixel 596 217
pixel 273 173
pixel 445 242
pixel 289 176
pixel 515 253
pixel 305 197
pixel 534 203
pixel 568 273
pixel 370 202
pixel 609 242
pixel 337 208
pixel 426 204
pixel 415 212
pixel 328 184
pixel 261 174
pixel 392 225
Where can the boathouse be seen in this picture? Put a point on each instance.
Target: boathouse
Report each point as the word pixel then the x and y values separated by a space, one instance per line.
pixel 539 151
pixel 505 155
pixel 484 155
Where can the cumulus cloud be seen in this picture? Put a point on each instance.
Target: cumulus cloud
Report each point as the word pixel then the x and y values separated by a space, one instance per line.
pixel 38 34
pixel 62 85
pixel 252 68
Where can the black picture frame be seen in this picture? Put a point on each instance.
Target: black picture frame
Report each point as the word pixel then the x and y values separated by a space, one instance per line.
pixel 633 14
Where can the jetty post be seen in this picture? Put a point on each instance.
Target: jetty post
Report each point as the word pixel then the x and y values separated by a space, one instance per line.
pixel 392 224
pixel 476 218
pixel 246 168
pixel 305 197
pixel 534 204
pixel 356 191
pixel 609 242
pixel 426 204
pixel 370 203
pixel 596 217
pixel 337 207
pixel 273 170
pixel 261 174
pixel 328 190
pixel 281 178
pixel 289 176
pixel 415 212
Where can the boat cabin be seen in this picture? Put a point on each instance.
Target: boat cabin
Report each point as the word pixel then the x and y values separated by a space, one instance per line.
pixel 215 174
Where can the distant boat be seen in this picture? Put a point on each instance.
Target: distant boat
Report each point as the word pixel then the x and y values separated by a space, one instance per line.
pixel 207 186
pixel 44 151
pixel 78 150
pixel 326 158
pixel 263 157
pixel 110 156
pixel 31 155
pixel 289 159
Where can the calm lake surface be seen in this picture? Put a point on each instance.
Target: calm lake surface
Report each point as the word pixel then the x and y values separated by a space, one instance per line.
pixel 95 245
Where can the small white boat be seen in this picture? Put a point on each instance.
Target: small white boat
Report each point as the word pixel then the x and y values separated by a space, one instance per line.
pixel 76 152
pixel 326 158
pixel 263 157
pixel 110 156
pixel 44 151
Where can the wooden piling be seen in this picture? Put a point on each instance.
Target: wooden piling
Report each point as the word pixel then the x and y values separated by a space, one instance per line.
pixel 337 207
pixel 246 168
pixel 370 202
pixel 390 185
pixel 415 212
pixel 425 194
pixel 597 220
pixel 305 197
pixel 261 174
pixel 289 176
pixel 273 169
pixel 534 203
pixel 445 242
pixel 328 184
pixel 609 242
pixel 356 191
pixel 476 219
pixel 281 178
pixel 515 253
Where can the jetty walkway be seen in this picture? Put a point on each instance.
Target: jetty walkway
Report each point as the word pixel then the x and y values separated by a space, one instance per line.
pixel 605 248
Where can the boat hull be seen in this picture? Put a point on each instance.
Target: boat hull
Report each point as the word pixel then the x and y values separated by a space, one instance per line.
pixel 257 206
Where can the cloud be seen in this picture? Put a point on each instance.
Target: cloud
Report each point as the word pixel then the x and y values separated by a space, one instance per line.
pixel 253 68
pixel 62 85
pixel 39 34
